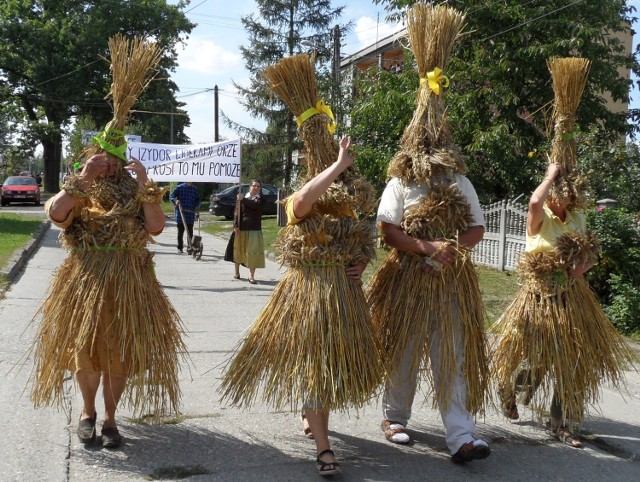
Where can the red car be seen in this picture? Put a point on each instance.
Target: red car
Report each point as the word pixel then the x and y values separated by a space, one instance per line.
pixel 20 189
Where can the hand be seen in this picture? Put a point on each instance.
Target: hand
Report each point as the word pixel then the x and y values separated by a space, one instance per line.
pixel 178 203
pixel 345 157
pixel 240 196
pixel 553 171
pixel 99 165
pixel 355 271
pixel 236 230
pixel 138 169
pixel 442 252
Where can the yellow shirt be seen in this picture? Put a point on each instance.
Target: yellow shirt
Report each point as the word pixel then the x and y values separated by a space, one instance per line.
pixel 344 211
pixel 552 228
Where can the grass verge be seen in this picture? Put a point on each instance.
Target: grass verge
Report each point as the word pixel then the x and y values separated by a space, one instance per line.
pixel 15 231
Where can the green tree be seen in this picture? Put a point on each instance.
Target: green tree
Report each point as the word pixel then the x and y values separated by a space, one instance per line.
pixel 276 31
pixel 52 60
pixel 613 169
pixel 379 114
pixel 501 91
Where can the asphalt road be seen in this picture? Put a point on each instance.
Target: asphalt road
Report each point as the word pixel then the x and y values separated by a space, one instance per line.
pixel 210 441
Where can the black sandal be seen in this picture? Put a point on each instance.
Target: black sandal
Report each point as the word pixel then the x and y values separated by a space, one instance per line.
pixel 327 468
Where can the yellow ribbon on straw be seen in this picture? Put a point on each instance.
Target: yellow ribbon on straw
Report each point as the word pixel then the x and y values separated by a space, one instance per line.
pixel 320 108
pixel 436 79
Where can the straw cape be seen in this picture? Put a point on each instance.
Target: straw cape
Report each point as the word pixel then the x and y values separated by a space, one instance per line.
pixel 105 307
pixel 313 341
pixel 408 305
pixel 555 331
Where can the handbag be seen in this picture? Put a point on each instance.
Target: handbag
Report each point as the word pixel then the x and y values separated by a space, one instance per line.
pixel 228 253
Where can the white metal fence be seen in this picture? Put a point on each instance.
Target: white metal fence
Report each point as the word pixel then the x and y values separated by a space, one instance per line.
pixel 504 237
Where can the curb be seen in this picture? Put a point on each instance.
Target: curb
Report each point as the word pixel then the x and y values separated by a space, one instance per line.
pixel 21 256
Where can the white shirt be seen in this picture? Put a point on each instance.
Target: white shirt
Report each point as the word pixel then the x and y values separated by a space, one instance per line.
pixel 397 198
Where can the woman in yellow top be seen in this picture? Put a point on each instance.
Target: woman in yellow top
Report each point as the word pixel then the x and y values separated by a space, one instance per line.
pixel 555 335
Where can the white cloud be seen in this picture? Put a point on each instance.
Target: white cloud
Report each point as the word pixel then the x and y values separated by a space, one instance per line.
pixel 368 30
pixel 204 56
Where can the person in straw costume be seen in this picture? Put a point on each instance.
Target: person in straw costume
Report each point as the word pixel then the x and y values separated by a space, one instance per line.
pixel 106 315
pixel 425 300
pixel 555 335
pixel 313 342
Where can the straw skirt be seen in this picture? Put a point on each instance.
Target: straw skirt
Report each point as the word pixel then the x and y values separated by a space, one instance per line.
pixel 312 342
pixel 565 342
pixel 107 312
pixel 408 305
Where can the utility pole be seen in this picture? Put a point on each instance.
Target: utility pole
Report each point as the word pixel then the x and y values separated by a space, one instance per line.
pixel 216 133
pixel 335 70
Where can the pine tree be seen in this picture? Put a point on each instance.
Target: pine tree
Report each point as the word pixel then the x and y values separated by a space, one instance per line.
pixel 276 31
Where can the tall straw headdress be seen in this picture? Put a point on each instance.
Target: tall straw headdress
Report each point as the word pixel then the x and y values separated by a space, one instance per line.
pixel 132 68
pixel 427 146
pixel 569 77
pixel 293 80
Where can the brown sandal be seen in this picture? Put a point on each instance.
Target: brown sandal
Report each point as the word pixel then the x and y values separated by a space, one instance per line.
pixel 305 426
pixel 564 435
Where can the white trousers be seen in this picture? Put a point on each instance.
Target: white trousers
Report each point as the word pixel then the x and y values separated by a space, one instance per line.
pixel 400 391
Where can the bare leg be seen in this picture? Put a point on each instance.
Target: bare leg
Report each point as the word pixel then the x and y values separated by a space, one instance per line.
pixel 113 387
pixel 89 381
pixel 237 270
pixel 252 272
pixel 319 424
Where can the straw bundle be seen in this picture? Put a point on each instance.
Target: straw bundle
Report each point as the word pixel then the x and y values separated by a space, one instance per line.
pixel 413 309
pixel 565 340
pixel 427 147
pixel 132 68
pixel 569 77
pixel 326 240
pixel 293 80
pixel 132 64
pixel 313 341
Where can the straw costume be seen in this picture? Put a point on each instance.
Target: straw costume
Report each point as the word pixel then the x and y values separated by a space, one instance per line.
pixel 106 311
pixel 313 341
pixel 555 337
pixel 416 313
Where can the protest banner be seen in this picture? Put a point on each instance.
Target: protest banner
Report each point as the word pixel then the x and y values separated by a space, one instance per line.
pixel 214 162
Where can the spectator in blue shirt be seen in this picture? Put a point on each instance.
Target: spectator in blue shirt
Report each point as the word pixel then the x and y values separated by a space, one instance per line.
pixel 185 195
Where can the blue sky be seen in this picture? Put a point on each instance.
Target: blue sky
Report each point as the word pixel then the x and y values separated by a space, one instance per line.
pixel 212 57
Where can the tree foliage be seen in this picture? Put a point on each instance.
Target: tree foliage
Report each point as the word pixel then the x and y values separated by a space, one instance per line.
pixel 500 93
pixel 52 61
pixel 616 277
pixel 276 31
pixel 380 112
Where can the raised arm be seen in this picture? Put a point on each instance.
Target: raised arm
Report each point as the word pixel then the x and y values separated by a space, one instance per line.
pixel 316 187
pixel 63 202
pixel 539 197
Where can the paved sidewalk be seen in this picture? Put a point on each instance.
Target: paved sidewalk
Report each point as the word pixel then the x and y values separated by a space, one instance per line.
pixel 211 441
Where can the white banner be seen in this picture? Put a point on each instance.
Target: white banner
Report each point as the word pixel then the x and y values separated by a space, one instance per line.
pixel 215 162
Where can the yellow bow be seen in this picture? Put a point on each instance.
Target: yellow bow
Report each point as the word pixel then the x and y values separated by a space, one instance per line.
pixel 320 108
pixel 436 78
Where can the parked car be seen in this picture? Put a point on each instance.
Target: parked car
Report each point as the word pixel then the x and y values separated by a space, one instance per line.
pixel 20 189
pixel 224 202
